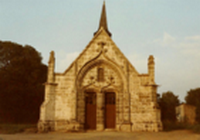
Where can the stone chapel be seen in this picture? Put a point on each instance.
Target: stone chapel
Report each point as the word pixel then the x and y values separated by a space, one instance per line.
pixel 101 90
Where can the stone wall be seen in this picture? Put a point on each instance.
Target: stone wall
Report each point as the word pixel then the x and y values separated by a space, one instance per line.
pixel 136 105
pixel 186 113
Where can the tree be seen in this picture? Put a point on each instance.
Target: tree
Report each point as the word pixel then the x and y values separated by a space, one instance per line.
pixel 21 77
pixel 168 103
pixel 193 98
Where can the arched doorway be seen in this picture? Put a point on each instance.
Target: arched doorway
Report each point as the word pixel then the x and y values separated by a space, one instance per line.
pixel 110 110
pixel 103 78
pixel 90 110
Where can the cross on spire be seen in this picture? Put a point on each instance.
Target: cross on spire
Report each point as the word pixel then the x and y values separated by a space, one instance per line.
pixel 103 20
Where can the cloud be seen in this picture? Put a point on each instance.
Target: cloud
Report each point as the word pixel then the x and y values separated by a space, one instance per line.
pixel 193 38
pixel 178 67
pixel 188 46
pixel 191 52
pixel 64 60
pixel 167 38
pixel 139 62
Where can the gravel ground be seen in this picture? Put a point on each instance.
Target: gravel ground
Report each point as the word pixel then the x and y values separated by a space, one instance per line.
pixel 173 135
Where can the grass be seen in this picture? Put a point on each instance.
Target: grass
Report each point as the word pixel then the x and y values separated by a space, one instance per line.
pixel 16 128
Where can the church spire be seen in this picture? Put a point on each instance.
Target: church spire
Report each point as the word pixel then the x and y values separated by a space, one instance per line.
pixel 103 20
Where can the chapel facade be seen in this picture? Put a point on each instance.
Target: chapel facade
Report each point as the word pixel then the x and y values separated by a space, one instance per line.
pixel 101 90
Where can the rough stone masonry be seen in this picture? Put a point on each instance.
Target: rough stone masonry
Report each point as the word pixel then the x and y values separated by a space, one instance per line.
pixel 101 90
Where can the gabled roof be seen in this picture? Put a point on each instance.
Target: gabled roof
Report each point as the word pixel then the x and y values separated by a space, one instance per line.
pixel 102 29
pixel 96 35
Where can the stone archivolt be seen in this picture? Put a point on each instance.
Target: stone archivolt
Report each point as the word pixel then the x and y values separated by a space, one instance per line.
pixel 101 72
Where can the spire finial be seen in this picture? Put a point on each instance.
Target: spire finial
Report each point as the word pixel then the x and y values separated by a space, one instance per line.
pixel 103 20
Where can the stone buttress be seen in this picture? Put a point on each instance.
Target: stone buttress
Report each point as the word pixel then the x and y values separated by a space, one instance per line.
pixel 101 90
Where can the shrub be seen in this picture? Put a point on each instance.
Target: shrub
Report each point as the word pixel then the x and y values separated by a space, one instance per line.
pixel 169 125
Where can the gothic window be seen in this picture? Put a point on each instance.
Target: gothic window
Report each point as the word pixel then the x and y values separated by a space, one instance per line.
pixel 100 74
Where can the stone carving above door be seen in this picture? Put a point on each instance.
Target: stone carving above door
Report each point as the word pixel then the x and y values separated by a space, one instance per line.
pixel 101 76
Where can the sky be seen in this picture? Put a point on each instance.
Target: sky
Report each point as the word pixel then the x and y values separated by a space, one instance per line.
pixel 167 29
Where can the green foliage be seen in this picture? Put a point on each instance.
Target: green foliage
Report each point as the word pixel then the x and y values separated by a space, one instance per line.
pixel 168 103
pixel 22 75
pixel 193 98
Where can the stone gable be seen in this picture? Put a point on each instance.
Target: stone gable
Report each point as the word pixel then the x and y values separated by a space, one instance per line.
pixel 100 90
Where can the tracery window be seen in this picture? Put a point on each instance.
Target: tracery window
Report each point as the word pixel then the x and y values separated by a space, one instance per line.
pixel 100 74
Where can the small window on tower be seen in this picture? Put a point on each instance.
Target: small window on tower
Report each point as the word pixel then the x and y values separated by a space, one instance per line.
pixel 100 74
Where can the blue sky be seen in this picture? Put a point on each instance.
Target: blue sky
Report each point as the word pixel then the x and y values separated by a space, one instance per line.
pixel 167 29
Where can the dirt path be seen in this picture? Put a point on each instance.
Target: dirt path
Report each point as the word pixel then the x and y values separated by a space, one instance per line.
pixel 174 135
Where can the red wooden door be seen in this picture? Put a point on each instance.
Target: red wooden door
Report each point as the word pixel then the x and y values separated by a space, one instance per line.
pixel 110 110
pixel 90 111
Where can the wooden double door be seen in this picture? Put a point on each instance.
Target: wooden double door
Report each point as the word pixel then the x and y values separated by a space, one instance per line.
pixel 90 110
pixel 109 112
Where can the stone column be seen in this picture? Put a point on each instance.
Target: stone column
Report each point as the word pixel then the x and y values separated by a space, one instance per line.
pixel 126 126
pixel 78 113
pixel 119 109
pixel 126 108
pixel 100 111
pixel 75 96
pixel 51 67
pixel 47 110
pixel 151 69
pixel 74 106
pixel 78 106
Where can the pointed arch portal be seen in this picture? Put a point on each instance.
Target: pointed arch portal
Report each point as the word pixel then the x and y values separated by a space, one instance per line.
pixel 99 100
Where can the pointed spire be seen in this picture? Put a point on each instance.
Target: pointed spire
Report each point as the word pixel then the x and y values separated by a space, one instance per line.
pixel 103 20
